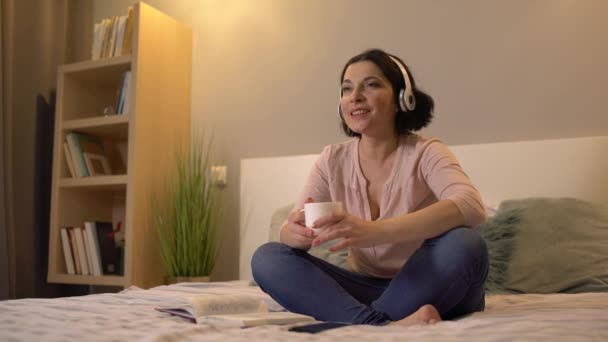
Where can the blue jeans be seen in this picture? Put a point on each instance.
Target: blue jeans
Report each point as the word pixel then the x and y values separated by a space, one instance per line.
pixel 448 272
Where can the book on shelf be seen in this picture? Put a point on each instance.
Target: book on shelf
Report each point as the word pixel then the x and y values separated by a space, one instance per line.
pixel 96 46
pixel 122 100
pixel 107 247
pixel 82 250
pixel 119 93
pixel 67 251
pixel 93 248
pixel 68 160
pixel 127 44
pixel 105 38
pixel 124 108
pixel 88 155
pixel 231 310
pixel 120 35
pixel 75 251
pixel 90 249
pixel 109 48
pixel 112 37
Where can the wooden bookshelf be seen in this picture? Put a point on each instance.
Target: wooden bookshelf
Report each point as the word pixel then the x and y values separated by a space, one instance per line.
pixel 102 182
pixel 157 120
pixel 113 126
pixel 108 280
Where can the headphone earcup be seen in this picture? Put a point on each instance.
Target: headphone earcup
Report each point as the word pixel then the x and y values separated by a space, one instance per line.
pixel 402 102
pixel 407 101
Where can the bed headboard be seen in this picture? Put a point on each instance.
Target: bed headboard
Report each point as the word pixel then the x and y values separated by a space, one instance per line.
pixel 576 167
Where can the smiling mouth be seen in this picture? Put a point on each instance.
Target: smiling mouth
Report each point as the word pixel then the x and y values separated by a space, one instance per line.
pixel 359 112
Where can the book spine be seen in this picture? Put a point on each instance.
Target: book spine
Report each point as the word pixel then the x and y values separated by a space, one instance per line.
pixel 68 159
pixel 76 253
pixel 82 254
pixel 120 36
pixel 95 46
pixel 107 52
pixel 121 94
pixel 93 247
pixel 126 96
pixel 67 251
pixel 127 45
pixel 104 37
pixel 80 165
pixel 112 37
pixel 87 249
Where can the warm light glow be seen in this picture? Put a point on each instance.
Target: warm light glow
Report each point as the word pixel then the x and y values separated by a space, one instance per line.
pixel 225 19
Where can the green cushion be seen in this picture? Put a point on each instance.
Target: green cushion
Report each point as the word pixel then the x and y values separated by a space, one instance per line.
pixel 561 245
pixel 499 234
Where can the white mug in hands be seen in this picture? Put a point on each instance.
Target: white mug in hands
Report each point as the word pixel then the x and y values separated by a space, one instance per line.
pixel 314 211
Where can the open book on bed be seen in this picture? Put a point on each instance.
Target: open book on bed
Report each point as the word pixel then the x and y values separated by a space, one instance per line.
pixel 231 310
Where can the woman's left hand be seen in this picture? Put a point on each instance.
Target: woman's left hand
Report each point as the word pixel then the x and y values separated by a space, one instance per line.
pixel 354 231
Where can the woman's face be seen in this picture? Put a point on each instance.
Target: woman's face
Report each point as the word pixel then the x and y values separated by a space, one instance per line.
pixel 367 102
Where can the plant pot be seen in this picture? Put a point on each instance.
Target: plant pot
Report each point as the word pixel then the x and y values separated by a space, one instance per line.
pixel 175 280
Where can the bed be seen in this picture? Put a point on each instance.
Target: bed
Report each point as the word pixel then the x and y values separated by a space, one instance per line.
pixel 516 179
pixel 130 316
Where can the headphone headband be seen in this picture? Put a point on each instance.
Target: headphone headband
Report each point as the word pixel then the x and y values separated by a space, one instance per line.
pixel 407 101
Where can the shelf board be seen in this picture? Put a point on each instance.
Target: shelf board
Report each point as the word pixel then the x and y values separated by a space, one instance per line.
pixel 113 182
pixel 108 280
pixel 113 126
pixel 96 64
pixel 102 72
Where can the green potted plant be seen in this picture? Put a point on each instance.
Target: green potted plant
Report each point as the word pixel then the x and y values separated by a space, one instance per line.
pixel 189 221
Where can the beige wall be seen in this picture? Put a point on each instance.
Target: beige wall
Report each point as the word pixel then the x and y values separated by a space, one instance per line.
pixel 265 72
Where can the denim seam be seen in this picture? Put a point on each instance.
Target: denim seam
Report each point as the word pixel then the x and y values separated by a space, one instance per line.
pixel 355 280
pixel 478 283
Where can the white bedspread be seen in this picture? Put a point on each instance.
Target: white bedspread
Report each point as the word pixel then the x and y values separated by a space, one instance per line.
pixel 129 315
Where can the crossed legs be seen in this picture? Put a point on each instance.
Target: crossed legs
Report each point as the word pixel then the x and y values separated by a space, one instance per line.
pixel 444 278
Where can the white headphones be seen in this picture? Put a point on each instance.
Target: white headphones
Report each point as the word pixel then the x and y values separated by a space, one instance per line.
pixel 407 101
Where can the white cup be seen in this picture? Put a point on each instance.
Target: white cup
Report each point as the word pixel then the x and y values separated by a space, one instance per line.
pixel 314 211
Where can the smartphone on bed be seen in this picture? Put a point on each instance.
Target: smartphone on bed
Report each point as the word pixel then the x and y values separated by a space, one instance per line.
pixel 318 327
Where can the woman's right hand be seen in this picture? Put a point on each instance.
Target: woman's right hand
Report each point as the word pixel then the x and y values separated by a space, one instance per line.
pixel 294 233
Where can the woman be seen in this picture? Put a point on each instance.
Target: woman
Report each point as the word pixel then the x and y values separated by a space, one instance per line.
pixel 408 208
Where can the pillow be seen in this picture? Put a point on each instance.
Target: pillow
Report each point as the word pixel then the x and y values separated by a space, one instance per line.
pixel 499 233
pixel 547 245
pixel 321 251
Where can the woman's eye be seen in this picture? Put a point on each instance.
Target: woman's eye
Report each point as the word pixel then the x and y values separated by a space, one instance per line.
pixel 346 90
pixel 373 85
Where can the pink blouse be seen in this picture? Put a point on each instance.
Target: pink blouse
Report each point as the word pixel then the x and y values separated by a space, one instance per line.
pixel 424 172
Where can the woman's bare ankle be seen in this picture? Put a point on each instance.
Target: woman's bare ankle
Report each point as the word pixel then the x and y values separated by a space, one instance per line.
pixel 427 314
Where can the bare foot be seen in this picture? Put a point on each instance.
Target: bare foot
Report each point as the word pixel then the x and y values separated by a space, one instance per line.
pixel 427 314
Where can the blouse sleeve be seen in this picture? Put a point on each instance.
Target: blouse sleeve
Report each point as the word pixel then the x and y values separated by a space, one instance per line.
pixel 447 180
